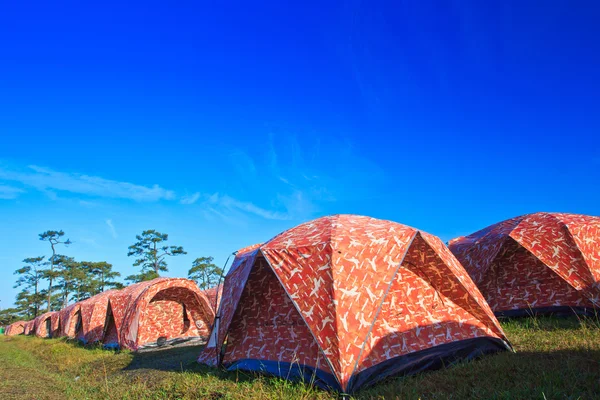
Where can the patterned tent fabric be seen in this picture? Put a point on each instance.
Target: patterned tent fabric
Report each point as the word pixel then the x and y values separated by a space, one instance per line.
pixel 16 328
pixel 161 311
pixel 344 301
pixel 117 305
pixel 145 314
pixel 55 324
pixel 214 295
pixel 232 288
pixel 535 263
pixel 43 324
pixel 29 328
pixel 93 317
pixel 70 321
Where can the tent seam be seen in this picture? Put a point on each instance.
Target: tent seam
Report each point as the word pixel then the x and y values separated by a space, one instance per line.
pixel 381 304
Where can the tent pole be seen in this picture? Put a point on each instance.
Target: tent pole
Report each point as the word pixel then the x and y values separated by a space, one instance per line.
pixel 217 314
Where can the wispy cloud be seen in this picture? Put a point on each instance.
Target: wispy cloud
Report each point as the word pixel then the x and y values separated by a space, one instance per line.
pixel 111 228
pixel 225 202
pixel 9 192
pixel 191 199
pixel 285 179
pixel 292 179
pixel 50 181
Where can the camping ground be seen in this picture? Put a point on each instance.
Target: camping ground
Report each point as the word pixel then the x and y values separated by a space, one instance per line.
pixel 555 359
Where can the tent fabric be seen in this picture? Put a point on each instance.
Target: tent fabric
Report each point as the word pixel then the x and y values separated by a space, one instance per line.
pixel 541 262
pixel 70 325
pixel 214 295
pixel 344 295
pixel 232 288
pixel 93 317
pixel 55 324
pixel 43 324
pixel 140 315
pixel 162 310
pixel 16 328
pixel 117 305
pixel 29 328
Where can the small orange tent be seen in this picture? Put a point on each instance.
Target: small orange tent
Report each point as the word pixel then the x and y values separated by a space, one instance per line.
pixel 16 328
pixel 94 316
pixel 70 321
pixel 43 324
pixel 535 263
pixel 162 311
pixel 345 301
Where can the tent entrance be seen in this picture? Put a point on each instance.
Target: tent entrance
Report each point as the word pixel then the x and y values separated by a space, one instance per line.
pixel 173 316
pixel 110 338
pixel 48 326
pixel 77 325
pixel 520 281
pixel 268 334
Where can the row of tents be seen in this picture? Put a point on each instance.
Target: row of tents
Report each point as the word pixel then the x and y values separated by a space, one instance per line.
pixel 147 314
pixel 345 301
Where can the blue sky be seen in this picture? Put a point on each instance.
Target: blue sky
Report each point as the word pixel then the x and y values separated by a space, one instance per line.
pixel 225 123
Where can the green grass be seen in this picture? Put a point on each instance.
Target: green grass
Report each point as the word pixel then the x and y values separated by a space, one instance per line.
pixel 555 359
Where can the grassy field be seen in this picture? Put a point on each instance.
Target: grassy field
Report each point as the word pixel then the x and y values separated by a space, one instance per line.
pixel 555 359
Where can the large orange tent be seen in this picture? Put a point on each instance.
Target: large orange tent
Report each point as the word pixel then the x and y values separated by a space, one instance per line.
pixel 542 262
pixel 345 301
pixel 16 328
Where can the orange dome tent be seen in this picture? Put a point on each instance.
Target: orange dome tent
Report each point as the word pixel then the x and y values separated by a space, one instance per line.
pixel 70 321
pixel 542 262
pixel 161 311
pixel 345 301
pixel 94 316
pixel 43 324
pixel 16 328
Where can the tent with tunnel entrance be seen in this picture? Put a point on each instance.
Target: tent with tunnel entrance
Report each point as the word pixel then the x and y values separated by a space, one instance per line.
pixel 535 263
pixel 163 311
pixel 16 328
pixel 43 324
pixel 118 304
pixel 345 301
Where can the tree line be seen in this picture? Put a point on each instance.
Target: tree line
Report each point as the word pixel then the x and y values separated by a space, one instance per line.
pixel 53 281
